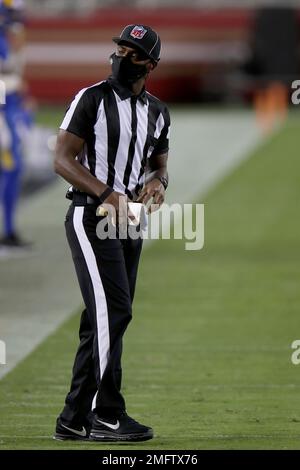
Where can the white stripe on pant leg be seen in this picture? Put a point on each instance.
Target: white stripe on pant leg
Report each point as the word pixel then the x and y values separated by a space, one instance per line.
pixel 100 299
pixel 94 401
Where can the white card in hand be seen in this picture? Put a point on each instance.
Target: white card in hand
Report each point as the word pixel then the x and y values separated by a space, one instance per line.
pixel 138 210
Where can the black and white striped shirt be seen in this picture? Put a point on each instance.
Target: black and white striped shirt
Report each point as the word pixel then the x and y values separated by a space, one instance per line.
pixel 121 131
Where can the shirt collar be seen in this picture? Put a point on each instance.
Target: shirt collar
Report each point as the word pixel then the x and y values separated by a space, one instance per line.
pixel 124 93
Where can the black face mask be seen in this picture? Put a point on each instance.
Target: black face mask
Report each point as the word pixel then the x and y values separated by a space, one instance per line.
pixel 125 71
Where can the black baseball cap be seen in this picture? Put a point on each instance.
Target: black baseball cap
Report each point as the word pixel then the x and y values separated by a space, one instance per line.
pixel 143 37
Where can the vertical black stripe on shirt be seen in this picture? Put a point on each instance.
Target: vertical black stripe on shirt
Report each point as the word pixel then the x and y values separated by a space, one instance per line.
pixel 91 153
pixel 131 149
pixel 153 114
pixel 113 134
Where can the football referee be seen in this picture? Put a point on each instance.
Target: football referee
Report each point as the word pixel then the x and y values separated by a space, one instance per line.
pixel 112 145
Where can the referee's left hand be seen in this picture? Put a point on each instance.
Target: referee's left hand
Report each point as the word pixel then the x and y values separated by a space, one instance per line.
pixel 154 189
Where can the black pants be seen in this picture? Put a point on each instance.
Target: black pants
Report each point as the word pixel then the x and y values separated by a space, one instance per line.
pixel 106 271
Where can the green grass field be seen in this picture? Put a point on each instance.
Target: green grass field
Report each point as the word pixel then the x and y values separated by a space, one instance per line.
pixel 207 356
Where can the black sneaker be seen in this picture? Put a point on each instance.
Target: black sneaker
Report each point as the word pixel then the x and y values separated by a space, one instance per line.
pixel 122 428
pixel 66 432
pixel 14 241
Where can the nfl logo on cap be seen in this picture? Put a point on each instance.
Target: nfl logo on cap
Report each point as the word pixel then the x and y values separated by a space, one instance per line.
pixel 138 32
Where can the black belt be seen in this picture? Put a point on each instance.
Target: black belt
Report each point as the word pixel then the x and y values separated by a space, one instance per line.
pixel 83 199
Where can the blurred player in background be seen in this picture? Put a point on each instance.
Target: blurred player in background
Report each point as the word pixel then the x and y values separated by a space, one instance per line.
pixel 274 63
pixel 14 116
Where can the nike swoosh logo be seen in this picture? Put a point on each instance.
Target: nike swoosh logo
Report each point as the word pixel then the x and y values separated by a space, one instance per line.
pixel 75 431
pixel 109 425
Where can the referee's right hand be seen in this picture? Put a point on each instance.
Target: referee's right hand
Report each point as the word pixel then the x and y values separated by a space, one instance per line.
pixel 119 202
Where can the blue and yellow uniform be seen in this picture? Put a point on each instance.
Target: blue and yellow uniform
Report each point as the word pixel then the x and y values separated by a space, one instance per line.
pixel 12 114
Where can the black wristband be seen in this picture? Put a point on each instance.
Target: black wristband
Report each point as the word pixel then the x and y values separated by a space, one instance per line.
pixel 164 181
pixel 105 194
